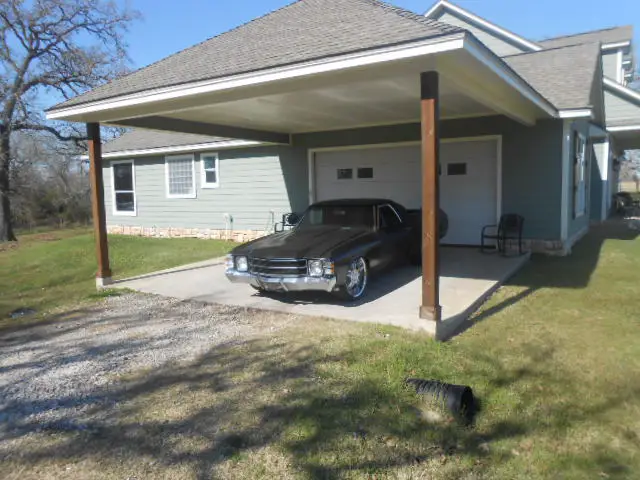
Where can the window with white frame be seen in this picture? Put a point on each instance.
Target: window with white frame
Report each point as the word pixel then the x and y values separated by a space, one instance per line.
pixel 124 187
pixel 579 175
pixel 181 176
pixel 210 170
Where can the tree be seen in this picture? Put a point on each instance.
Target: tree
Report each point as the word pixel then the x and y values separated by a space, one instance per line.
pixel 59 48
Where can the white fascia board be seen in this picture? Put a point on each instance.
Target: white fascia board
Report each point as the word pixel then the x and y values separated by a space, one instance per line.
pixel 621 89
pixel 481 22
pixel 499 67
pixel 381 55
pixel 578 113
pixel 616 45
pixel 180 148
pixel 625 128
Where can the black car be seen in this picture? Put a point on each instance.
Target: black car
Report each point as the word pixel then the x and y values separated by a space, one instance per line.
pixel 334 247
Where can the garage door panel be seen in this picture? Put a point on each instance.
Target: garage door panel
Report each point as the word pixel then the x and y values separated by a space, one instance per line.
pixel 468 190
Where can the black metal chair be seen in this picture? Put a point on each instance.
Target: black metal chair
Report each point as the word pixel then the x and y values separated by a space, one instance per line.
pixel 509 228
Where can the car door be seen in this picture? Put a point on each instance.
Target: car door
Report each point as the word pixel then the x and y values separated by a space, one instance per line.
pixel 394 236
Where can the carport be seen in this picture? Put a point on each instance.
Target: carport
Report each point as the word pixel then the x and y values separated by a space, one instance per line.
pixel 341 74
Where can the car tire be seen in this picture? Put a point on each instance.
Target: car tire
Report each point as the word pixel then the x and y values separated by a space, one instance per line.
pixel 356 280
pixel 257 289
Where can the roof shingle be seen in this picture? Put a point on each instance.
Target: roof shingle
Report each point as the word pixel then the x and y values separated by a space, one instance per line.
pixel 301 31
pixel 142 139
pixel 564 76
pixel 607 35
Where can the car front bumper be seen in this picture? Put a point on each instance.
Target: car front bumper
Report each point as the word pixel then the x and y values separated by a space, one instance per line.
pixel 287 284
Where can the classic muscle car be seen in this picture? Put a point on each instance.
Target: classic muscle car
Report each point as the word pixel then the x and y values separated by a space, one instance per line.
pixel 335 247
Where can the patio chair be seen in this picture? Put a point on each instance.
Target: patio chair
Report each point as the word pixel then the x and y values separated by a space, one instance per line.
pixel 509 228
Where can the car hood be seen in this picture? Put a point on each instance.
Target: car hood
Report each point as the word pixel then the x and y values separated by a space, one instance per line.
pixel 309 242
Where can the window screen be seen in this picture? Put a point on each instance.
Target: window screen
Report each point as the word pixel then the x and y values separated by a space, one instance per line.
pixel 180 177
pixel 365 172
pixel 209 170
pixel 456 169
pixel 123 188
pixel 345 173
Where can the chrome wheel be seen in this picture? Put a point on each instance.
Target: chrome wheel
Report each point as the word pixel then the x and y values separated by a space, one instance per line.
pixel 356 278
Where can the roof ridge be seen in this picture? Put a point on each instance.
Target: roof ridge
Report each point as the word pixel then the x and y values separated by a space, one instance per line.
pixel 584 33
pixel 406 13
pixel 552 49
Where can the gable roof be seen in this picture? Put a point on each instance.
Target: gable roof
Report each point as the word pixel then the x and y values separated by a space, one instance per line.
pixel 564 76
pixel 510 37
pixel 149 142
pixel 604 36
pixel 302 31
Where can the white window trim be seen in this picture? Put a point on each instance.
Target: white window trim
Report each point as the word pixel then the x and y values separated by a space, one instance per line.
pixel 167 160
pixel 115 211
pixel 581 193
pixel 203 176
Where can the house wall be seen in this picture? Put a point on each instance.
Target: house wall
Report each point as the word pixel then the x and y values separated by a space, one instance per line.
pixel 499 46
pixel 577 226
pixel 599 181
pixel 620 111
pixel 531 161
pixel 255 181
pixel 610 64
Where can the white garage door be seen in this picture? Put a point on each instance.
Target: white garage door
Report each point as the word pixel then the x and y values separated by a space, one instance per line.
pixel 468 187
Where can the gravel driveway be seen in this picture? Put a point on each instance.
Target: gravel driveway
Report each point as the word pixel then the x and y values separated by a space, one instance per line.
pixel 53 375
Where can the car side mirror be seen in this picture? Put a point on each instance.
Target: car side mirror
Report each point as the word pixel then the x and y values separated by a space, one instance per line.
pixel 292 219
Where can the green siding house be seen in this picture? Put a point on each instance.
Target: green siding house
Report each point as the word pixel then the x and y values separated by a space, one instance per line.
pixel 321 100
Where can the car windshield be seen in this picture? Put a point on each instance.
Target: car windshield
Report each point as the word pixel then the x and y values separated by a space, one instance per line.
pixel 346 216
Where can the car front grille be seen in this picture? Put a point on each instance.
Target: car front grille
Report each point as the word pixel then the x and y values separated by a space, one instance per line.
pixel 278 267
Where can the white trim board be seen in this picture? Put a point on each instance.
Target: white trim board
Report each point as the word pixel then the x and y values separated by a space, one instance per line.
pixel 611 46
pixel 371 57
pixel 117 213
pixel 625 128
pixel 482 23
pixel 498 138
pixel 379 55
pixel 632 95
pixel 564 191
pixel 579 113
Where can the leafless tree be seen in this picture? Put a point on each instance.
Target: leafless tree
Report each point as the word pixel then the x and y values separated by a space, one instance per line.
pixel 54 47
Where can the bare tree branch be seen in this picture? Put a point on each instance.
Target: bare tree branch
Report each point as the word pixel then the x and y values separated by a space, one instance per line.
pixel 59 47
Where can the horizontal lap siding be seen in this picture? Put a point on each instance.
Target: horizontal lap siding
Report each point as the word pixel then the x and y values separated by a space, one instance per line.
pixel 620 110
pixel 252 183
pixel 610 65
pixel 500 47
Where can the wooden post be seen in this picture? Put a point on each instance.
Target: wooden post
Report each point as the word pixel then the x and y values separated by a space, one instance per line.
pixel 429 101
pixel 103 276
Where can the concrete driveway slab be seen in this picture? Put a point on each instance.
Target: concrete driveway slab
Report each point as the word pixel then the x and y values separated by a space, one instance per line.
pixel 467 279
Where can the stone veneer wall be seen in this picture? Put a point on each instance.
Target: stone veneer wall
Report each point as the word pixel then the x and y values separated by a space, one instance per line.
pixel 203 233
pixel 549 247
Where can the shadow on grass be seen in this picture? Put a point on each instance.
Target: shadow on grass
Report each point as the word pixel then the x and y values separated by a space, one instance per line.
pixel 330 412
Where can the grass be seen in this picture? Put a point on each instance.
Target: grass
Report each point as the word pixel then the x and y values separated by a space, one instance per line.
pixel 57 268
pixel 554 357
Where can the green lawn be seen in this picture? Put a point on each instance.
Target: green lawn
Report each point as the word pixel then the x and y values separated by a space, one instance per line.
pixel 554 358
pixel 55 268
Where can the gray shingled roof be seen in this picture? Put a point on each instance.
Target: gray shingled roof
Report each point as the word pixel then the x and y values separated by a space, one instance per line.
pixel 143 139
pixel 607 35
pixel 564 76
pixel 302 31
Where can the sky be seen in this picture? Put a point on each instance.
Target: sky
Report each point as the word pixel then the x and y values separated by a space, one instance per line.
pixel 169 26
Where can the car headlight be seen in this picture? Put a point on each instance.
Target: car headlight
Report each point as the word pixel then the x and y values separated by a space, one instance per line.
pixel 229 262
pixel 242 265
pixel 315 268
